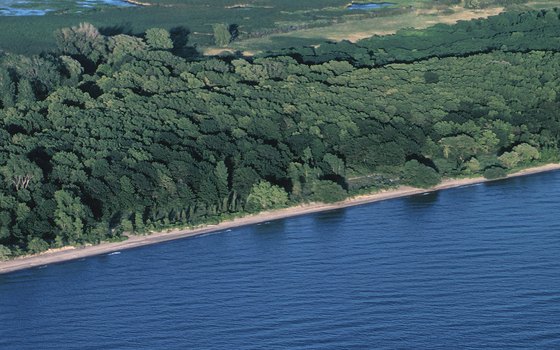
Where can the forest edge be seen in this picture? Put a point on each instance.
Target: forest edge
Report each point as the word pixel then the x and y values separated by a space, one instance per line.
pixel 134 241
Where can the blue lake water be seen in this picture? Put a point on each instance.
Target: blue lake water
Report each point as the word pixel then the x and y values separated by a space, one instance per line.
pixel 468 268
pixel 370 6
pixel 42 7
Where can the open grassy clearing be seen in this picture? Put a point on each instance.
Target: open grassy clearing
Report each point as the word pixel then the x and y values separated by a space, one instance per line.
pixel 419 15
pixel 355 30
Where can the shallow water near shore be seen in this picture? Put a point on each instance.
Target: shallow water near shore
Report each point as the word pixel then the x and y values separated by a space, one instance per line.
pixel 43 7
pixel 472 267
pixel 370 6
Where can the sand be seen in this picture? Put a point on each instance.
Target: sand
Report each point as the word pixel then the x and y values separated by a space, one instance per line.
pixel 71 253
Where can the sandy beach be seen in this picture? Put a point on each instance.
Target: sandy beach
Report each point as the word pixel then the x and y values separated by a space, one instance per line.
pixel 71 253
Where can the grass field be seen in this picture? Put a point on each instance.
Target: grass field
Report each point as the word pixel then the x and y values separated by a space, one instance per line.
pixel 354 30
pixel 263 24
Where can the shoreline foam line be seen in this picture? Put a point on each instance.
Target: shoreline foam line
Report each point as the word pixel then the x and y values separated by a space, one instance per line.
pixel 73 253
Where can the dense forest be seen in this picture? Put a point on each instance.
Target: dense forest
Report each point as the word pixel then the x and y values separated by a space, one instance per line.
pixel 113 134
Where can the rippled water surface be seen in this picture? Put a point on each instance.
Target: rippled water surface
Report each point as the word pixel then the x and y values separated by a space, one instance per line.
pixel 42 7
pixel 369 6
pixel 467 268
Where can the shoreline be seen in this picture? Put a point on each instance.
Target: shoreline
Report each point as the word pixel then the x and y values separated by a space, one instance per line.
pixel 138 3
pixel 73 253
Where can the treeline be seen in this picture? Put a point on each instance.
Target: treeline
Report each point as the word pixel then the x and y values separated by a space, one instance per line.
pixel 121 133
pixel 509 32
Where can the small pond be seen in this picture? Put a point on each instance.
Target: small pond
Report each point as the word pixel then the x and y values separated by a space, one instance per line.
pixel 42 7
pixel 369 6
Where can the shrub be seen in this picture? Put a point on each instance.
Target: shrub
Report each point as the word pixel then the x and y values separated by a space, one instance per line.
pixel 419 175
pixel 327 192
pixel 222 36
pixel 509 159
pixel 37 245
pixel 159 39
pixel 526 152
pixel 431 77
pixel 266 196
pixel 495 173
pixel 5 253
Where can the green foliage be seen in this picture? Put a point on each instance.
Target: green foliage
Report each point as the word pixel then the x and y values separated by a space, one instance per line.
pixel 431 77
pixel 83 42
pixel 495 173
pixel 336 164
pixel 20 173
pixel 509 31
pixel 122 46
pixel 222 36
pixel 509 159
pixel 419 175
pixel 527 153
pixel 67 169
pixel 327 192
pixel 476 4
pixel 473 166
pixel 25 93
pixel 120 133
pixel 159 39
pixel 7 89
pixel 458 148
pixel 522 153
pixel 266 196
pixel 5 253
pixel 68 216
pixel 125 226
pixel 37 245
pixel 480 4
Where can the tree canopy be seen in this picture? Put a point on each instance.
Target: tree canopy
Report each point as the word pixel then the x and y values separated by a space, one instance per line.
pixel 118 133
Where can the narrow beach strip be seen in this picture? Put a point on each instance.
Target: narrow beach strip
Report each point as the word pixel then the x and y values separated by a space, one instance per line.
pixel 72 253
